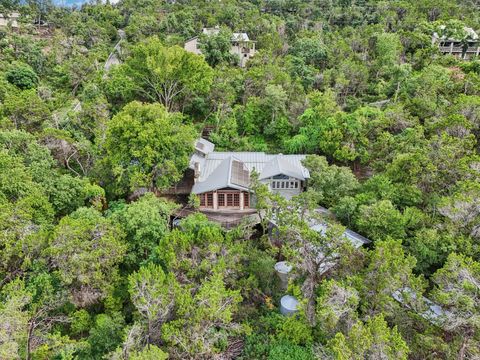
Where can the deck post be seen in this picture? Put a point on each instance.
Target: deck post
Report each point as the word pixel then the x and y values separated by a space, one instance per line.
pixel 241 200
pixel 215 200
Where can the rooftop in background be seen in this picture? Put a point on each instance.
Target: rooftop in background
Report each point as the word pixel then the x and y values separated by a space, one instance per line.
pixel 463 46
pixel 468 33
pixel 236 36
pixel 10 18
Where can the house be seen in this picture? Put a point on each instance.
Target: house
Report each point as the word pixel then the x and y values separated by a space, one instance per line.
pixel 9 19
pixel 463 48
pixel 222 179
pixel 242 46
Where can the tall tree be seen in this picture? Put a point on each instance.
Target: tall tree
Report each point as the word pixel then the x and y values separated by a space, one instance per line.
pixel 458 292
pixel 148 147
pixel 169 75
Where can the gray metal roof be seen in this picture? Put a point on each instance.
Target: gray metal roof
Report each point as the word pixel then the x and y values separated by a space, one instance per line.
pixel 281 164
pixel 204 146
pixel 240 37
pixel 357 240
pixel 434 313
pixel 215 174
pixel 219 177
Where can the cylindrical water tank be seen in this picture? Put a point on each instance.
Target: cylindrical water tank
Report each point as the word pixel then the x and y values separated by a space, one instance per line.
pixel 283 269
pixel 288 305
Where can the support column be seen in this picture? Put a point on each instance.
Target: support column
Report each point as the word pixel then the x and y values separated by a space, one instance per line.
pixel 241 200
pixel 215 200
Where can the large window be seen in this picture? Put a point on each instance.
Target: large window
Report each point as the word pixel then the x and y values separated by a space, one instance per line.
pixel 284 184
pixel 221 199
pixel 246 200
pixel 236 200
pixel 230 199
pixel 202 199
pixel 209 199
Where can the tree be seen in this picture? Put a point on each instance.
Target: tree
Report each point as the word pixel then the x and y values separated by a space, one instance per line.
pixel 207 318
pixel 85 248
pixel 22 76
pixel 388 271
pixel 169 75
pixel 315 253
pixel 26 110
pixel 331 182
pixel 336 309
pixel 149 353
pixel 457 290
pixel 379 220
pixel 148 147
pixel 372 340
pixel 13 319
pixel 145 222
pixel 216 47
pixel 154 294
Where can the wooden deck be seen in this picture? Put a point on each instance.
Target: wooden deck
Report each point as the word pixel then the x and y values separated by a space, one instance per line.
pixel 226 218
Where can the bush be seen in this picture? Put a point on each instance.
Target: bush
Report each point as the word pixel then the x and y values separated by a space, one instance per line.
pixel 22 76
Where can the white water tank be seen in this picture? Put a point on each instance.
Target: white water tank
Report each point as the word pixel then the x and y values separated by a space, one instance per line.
pixel 288 305
pixel 283 269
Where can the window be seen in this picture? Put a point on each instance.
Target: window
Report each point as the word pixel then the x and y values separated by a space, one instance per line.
pixel 273 184
pixel 221 199
pixel 210 200
pixel 287 184
pixel 296 184
pixel 236 200
pixel 246 200
pixel 229 199
pixel 202 199
pixel 282 185
pixel 292 184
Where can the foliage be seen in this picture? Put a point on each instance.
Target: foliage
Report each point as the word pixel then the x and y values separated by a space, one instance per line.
pixel 147 146
pixel 100 106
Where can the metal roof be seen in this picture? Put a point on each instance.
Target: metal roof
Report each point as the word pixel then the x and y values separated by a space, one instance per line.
pixel 220 177
pixel 434 313
pixel 281 164
pixel 240 37
pixel 215 174
pixel 204 146
pixel 357 240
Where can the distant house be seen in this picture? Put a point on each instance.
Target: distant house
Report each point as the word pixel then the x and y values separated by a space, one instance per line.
pixel 9 20
pixel 222 179
pixel 242 46
pixel 463 48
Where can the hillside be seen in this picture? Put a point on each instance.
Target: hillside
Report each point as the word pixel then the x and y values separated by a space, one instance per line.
pixel 176 176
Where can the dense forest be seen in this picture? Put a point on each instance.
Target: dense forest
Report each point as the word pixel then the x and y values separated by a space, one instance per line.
pixel 100 106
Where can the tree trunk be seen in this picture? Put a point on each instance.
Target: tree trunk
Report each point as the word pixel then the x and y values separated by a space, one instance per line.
pixel 29 340
pixel 463 348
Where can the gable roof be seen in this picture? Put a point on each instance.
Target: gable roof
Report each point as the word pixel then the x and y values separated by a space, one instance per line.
pixel 222 176
pixel 280 164
pixel 236 36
